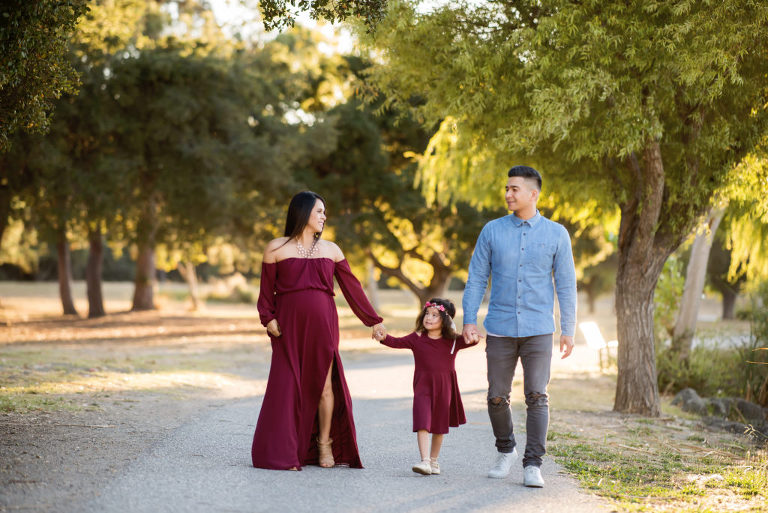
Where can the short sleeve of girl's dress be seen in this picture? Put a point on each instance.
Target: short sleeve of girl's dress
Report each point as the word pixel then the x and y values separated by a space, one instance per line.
pixel 401 342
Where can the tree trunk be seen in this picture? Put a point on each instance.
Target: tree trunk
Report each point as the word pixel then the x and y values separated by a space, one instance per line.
pixel 5 209
pixel 93 273
pixel 642 253
pixel 729 303
pixel 187 271
pixel 588 288
pixel 372 286
pixel 695 276
pixel 64 265
pixel 144 286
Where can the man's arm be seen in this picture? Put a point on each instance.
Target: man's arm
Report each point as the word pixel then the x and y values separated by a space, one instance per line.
pixel 565 284
pixel 477 281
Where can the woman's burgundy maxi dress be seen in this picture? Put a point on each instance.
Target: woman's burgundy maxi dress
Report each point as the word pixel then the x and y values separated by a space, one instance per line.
pixel 298 292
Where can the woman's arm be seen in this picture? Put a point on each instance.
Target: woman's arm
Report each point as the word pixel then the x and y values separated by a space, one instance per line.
pixel 266 304
pixel 353 293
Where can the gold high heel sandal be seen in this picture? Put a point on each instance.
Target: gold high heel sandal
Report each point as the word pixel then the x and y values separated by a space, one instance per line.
pixel 325 453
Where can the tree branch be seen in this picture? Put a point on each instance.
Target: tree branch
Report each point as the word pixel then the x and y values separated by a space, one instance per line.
pixel 396 272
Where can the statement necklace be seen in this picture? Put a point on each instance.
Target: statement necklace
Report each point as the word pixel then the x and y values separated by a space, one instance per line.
pixel 303 252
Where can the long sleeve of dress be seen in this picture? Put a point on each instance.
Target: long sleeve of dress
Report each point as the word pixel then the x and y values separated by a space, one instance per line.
pixel 353 293
pixel 405 342
pixel 266 303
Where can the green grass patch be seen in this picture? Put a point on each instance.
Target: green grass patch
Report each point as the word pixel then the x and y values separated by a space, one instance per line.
pixel 23 403
pixel 641 476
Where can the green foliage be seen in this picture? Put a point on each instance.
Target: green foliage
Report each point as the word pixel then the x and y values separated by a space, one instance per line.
pixel 34 70
pixel 755 355
pixel 710 370
pixel 368 182
pixel 203 130
pixel 723 371
pixel 666 298
pixel 578 88
pixel 282 13
pixel 640 107
pixel 747 219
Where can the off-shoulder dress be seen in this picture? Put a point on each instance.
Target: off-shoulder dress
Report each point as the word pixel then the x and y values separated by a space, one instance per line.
pixel 298 292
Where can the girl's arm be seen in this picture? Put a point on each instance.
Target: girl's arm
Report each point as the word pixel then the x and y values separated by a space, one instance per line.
pixel 400 342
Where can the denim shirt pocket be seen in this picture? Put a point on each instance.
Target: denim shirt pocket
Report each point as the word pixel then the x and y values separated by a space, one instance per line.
pixel 542 255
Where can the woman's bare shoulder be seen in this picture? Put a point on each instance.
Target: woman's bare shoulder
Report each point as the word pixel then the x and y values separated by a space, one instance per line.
pixel 332 250
pixel 270 253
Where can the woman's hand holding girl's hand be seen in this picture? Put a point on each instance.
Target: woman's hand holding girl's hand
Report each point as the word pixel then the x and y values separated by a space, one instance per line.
pixel 273 328
pixel 379 332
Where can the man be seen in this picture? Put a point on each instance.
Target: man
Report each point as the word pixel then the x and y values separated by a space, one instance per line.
pixel 528 257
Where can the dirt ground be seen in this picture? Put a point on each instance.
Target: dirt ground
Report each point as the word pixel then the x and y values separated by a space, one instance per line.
pixel 82 398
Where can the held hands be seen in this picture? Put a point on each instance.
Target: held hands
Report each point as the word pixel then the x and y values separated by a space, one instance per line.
pixel 566 346
pixel 273 328
pixel 379 332
pixel 471 334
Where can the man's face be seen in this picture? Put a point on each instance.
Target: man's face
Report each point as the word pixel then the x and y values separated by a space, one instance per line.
pixel 521 194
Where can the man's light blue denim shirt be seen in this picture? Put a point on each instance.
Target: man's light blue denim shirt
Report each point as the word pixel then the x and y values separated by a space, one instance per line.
pixel 526 261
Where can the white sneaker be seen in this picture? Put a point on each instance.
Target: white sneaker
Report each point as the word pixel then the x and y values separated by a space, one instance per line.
pixel 532 477
pixel 503 464
pixel 422 467
pixel 435 466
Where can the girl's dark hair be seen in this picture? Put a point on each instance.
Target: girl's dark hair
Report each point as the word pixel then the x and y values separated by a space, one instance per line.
pixel 447 316
pixel 299 211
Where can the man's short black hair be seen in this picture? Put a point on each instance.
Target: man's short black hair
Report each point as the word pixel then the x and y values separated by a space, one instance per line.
pixel 526 172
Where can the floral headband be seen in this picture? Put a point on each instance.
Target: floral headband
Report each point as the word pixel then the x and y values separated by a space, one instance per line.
pixel 434 305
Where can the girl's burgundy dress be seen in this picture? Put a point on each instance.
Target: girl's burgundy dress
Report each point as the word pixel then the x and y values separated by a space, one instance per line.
pixel 436 399
pixel 298 292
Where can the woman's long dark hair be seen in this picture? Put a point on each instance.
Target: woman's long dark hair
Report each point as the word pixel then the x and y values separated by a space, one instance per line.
pixel 299 211
pixel 446 315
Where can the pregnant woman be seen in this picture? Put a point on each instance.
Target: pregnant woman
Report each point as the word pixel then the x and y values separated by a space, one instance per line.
pixel 306 416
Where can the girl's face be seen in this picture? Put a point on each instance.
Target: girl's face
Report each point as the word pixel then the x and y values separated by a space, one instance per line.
pixel 432 319
pixel 317 217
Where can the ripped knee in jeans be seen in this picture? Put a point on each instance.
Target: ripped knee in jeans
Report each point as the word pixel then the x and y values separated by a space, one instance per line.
pixel 536 399
pixel 498 403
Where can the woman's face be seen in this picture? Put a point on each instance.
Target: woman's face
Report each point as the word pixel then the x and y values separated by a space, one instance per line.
pixel 432 319
pixel 317 217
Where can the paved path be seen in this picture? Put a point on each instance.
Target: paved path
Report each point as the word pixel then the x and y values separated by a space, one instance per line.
pixel 205 464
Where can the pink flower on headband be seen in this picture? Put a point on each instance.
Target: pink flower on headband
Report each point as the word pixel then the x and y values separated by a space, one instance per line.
pixel 434 305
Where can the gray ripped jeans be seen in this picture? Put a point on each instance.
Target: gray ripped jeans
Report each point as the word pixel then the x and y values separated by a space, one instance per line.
pixel 535 354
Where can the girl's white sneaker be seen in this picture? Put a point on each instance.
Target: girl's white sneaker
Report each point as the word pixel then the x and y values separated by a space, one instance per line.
pixel 423 467
pixel 435 467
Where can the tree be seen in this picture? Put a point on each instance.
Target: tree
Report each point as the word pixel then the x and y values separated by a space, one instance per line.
pixel 643 107
pixel 695 277
pixel 34 70
pixel 718 275
pixel 281 13
pixel 368 182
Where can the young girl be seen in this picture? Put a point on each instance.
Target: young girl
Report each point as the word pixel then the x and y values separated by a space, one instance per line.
pixel 436 400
